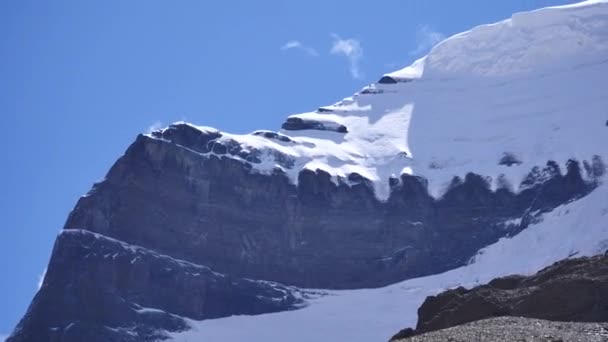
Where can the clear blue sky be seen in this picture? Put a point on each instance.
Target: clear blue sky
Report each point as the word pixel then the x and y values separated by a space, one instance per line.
pixel 80 79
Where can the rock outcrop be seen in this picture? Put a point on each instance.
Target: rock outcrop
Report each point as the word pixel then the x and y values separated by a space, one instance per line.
pixel 193 204
pixel 572 290
pixel 100 289
pixel 214 211
pixel 297 124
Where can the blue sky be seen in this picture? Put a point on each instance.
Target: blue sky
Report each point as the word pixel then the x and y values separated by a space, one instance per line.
pixel 80 79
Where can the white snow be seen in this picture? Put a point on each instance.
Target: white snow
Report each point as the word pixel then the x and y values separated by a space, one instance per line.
pixel 410 72
pixel 373 315
pixel 533 85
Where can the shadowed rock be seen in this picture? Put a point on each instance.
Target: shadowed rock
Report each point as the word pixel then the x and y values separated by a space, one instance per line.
pixel 183 195
pixel 574 290
pixel 100 289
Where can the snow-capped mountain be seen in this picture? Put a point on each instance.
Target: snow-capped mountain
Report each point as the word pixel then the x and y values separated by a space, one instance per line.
pixel 484 158
pixel 525 88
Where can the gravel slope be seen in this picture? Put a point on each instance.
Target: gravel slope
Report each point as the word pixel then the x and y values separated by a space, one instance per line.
pixel 503 329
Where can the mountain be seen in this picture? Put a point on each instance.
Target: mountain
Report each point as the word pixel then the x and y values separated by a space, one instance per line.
pixel 468 162
pixel 574 229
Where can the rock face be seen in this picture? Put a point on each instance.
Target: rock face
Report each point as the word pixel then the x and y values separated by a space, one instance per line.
pixel 570 290
pixel 100 289
pixel 214 211
pixel 137 252
pixel 297 124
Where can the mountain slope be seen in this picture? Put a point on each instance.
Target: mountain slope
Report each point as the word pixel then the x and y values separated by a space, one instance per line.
pixel 577 228
pixel 495 138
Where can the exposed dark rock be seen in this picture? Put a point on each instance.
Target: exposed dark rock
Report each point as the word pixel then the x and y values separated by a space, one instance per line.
pixel 100 289
pixel 370 90
pixel 393 80
pixel 273 135
pixel 214 211
pixel 596 169
pixel 186 194
pixel 509 159
pixel 403 333
pixel 297 124
pixel 570 290
pixel 387 80
pixel 200 141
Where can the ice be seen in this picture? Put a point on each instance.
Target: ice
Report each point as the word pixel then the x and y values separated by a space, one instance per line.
pixel 532 85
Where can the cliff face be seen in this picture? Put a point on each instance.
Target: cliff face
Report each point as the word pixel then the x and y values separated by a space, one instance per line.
pixel 214 211
pixel 142 249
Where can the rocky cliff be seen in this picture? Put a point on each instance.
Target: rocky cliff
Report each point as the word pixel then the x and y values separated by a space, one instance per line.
pixel 142 249
pixel 212 210
pixel 411 176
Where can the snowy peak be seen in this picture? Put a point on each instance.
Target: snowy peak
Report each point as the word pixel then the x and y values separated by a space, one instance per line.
pixel 529 87
pixel 549 39
pixel 184 227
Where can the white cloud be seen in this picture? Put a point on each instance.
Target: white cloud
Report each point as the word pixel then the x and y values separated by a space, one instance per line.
pixel 153 127
pixel 352 50
pixel 426 38
pixel 296 44
pixel 40 280
pixel 3 337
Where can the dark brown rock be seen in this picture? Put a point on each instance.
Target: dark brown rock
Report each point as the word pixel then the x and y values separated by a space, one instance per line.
pixel 570 290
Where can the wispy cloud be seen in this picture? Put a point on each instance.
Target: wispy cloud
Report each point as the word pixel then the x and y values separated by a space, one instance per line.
pixel 296 44
pixel 153 127
pixel 40 281
pixel 3 337
pixel 426 38
pixel 352 50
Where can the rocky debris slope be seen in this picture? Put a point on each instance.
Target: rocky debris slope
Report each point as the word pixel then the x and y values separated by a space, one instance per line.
pixel 503 329
pixel 569 290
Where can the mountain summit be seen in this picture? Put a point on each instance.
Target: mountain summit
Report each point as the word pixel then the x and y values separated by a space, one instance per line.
pixel 486 157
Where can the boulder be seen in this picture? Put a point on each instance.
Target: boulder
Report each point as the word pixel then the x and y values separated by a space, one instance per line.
pixel 574 290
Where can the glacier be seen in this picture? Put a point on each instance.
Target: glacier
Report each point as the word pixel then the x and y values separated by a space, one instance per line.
pixel 531 86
